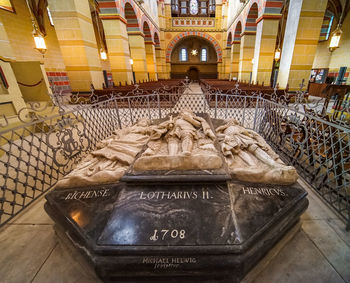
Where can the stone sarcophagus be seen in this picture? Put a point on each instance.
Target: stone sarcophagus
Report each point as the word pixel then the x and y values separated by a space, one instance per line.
pixel 185 198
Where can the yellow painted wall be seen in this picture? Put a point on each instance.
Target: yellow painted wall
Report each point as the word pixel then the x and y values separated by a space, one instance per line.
pixel 168 36
pixel 19 31
pixel 339 57
pixel 30 73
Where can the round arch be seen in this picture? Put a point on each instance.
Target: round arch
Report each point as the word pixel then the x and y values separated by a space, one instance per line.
pixel 237 32
pixel 156 40
pixel 131 18
pixel 147 32
pixel 229 40
pixel 250 24
pixel 182 35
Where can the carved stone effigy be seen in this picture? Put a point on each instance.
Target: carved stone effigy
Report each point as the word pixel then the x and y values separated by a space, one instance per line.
pixel 181 143
pixel 111 159
pixel 184 142
pixel 250 158
pixel 177 199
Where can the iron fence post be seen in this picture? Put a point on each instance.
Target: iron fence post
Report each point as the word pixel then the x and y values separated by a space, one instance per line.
pixel 216 105
pixel 226 107
pixel 255 114
pixel 149 108
pixel 132 121
pixel 118 117
pixel 244 106
pixel 160 111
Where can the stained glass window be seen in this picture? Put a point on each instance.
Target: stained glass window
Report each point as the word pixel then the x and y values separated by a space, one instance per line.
pixel 183 54
pixel 204 56
pixel 193 7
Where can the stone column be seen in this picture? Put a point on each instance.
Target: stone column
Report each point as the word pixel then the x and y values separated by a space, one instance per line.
pixel 11 100
pixel 300 41
pixel 161 60
pixel 118 48
pixel 265 42
pixel 227 62
pixel 235 51
pixel 77 41
pixel 246 55
pixel 221 70
pixel 151 60
pixel 167 70
pixel 138 55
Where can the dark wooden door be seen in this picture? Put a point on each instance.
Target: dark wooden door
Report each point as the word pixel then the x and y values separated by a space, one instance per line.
pixel 193 74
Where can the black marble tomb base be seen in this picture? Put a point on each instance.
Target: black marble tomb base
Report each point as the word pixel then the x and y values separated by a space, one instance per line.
pixel 186 231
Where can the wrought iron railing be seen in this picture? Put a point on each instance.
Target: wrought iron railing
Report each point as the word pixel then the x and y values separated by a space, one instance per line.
pixel 33 156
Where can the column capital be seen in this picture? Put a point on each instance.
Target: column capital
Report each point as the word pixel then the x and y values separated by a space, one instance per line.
pixel 268 17
pixel 248 33
pixel 112 17
pixel 135 33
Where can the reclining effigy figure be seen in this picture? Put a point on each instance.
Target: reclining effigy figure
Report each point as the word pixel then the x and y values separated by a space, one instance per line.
pixel 185 142
pixel 111 159
pixel 250 158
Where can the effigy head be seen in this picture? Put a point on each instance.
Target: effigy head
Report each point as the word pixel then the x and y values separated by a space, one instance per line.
pixel 232 122
pixel 144 122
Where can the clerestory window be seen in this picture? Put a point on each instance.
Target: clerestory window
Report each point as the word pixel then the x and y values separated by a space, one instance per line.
pixel 190 8
pixel 204 55
pixel 183 55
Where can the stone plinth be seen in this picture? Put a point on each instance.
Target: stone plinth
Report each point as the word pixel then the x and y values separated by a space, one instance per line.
pixel 181 231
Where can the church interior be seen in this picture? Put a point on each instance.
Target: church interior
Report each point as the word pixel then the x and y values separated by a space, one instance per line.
pixel 73 72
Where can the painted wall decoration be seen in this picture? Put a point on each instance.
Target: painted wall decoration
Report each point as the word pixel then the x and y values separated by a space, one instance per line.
pixel 262 8
pixel 194 22
pixel 115 9
pixel 204 35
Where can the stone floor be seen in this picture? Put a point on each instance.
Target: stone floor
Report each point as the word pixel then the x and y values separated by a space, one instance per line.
pixel 320 252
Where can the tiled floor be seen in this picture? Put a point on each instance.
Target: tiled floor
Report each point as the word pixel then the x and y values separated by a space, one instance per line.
pixel 320 252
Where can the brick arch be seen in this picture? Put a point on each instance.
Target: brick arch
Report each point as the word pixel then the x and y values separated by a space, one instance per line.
pixel 237 32
pixel 244 15
pixel 273 7
pixel 250 24
pixel 229 40
pixel 131 15
pixel 204 35
pixel 156 39
pixel 147 31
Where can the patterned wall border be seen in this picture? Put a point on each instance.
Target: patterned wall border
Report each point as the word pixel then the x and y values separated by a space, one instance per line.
pixel 266 8
pixel 182 35
pixel 115 9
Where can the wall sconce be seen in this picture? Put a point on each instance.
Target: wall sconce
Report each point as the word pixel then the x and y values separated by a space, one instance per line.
pixel 103 55
pixel 131 61
pixel 40 44
pixel 277 54
pixel 334 44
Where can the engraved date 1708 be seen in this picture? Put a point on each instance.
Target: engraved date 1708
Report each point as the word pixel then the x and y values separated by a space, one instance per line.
pixel 167 234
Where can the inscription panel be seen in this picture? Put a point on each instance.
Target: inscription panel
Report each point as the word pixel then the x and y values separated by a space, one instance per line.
pixel 189 214
pixel 88 208
pixel 157 262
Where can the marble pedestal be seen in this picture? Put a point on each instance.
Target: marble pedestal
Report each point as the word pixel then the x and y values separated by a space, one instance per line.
pixel 175 231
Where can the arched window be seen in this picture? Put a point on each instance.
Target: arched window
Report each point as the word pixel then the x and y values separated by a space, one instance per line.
pixel 326 25
pixel 183 55
pixel 204 55
pixel 189 8
pixel 193 7
pixel 175 6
